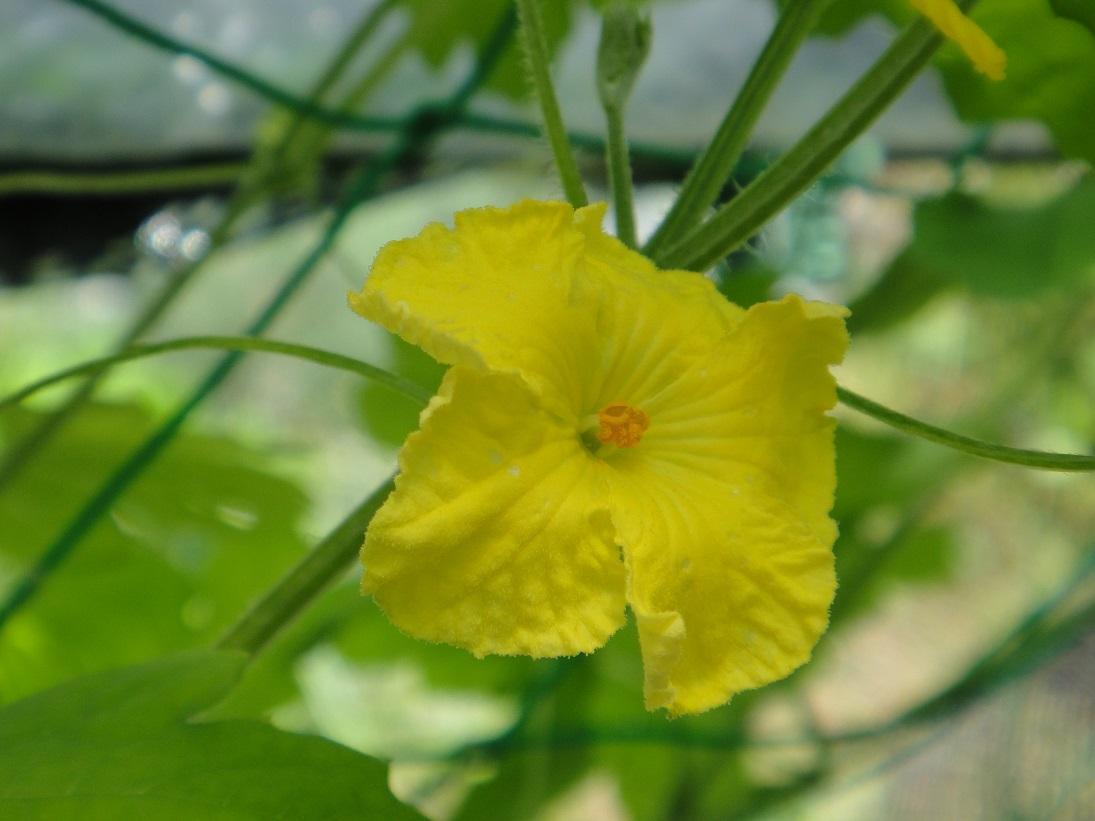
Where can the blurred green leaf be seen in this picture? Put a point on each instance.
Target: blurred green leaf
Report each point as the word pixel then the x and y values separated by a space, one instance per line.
pixel 440 28
pixel 360 632
pixel 1007 252
pixel 121 744
pixel 881 480
pixel 903 289
pixel 991 251
pixel 748 285
pixel 919 556
pixel 880 469
pixel 1082 11
pixel 387 416
pixel 202 533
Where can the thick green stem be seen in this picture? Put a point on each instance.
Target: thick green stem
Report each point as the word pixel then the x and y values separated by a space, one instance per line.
pixel 307 579
pixel 536 53
pixel 713 167
pixel 966 444
pixel 739 219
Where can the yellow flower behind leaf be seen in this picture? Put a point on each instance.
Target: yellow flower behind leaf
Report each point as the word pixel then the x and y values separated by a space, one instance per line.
pixel 608 436
pixel 986 56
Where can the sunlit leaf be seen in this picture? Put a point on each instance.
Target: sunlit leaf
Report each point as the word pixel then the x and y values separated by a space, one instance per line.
pixel 123 744
pixel 196 538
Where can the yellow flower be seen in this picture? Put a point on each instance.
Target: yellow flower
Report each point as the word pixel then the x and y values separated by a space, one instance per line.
pixel 608 435
pixel 986 56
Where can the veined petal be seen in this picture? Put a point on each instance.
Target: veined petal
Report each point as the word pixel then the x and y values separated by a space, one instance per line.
pixel 497 537
pixel 540 291
pixel 729 592
pixel 986 56
pixel 727 537
pixel 494 293
pixel 753 411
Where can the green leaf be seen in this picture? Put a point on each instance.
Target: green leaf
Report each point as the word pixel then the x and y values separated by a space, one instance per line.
pixel 1082 11
pixel 182 554
pixel 748 285
pixel 921 556
pixel 881 480
pixel 1007 252
pixel 880 469
pixel 122 744
pixel 440 28
pixel 903 289
pixel 1050 74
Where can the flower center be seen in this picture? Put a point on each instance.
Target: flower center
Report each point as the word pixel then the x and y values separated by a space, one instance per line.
pixel 621 425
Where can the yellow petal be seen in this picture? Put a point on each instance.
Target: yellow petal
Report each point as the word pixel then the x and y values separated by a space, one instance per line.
pixel 722 510
pixel 497 537
pixel 650 323
pixel 493 293
pixel 986 56
pixel 540 291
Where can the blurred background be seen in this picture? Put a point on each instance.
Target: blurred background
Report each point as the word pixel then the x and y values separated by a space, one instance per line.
pixel 172 169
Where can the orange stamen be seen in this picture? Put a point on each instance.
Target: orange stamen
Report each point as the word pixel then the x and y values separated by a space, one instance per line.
pixel 622 425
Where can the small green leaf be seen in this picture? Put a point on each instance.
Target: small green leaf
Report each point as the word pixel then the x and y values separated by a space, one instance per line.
pixel 747 286
pixel 440 28
pixel 123 744
pixel 387 416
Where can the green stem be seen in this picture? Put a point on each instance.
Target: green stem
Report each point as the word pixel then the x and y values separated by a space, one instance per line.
pixel 535 45
pixel 708 175
pixel 306 580
pixel 307 107
pixel 119 182
pixel 966 444
pixel 314 144
pixel 619 176
pixel 739 219
pixel 229 343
